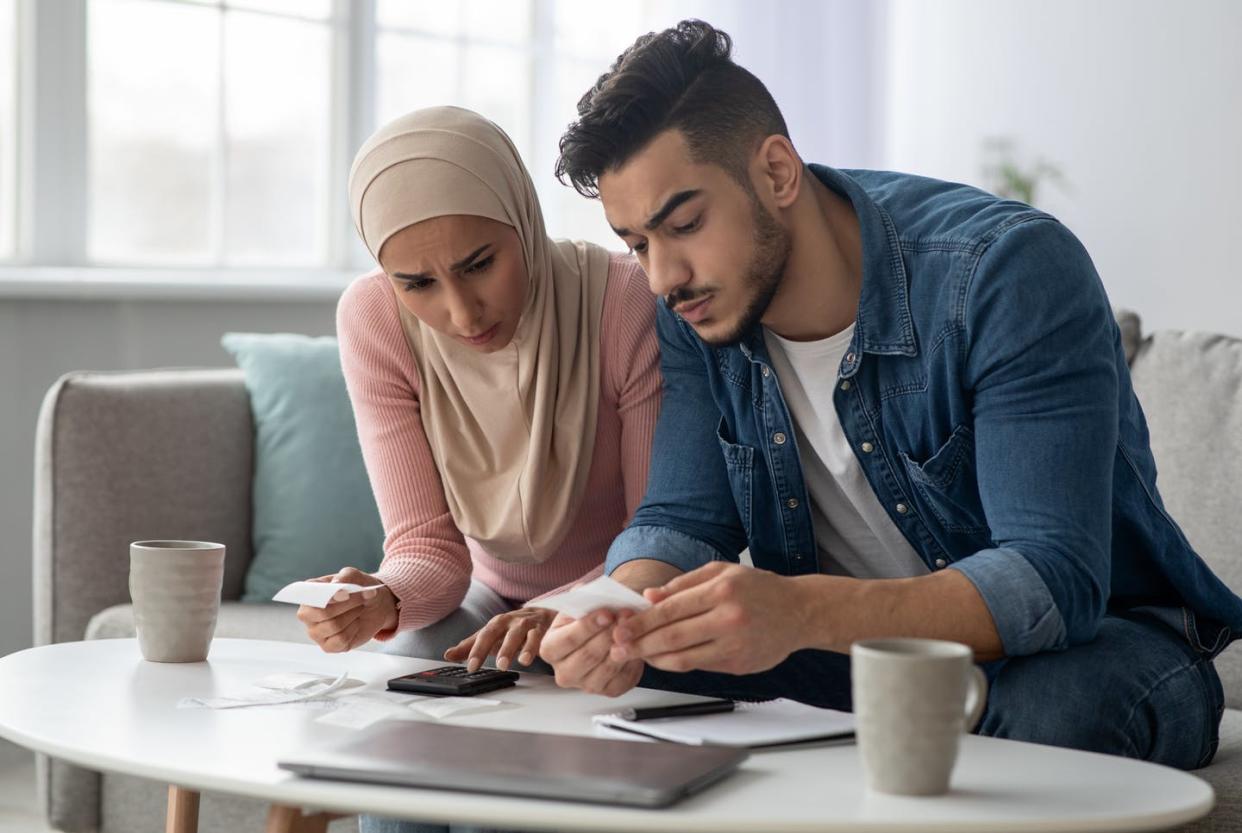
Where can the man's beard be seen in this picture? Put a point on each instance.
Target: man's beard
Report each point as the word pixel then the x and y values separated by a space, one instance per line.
pixel 763 275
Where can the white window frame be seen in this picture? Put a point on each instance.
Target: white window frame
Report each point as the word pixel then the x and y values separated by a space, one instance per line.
pixel 50 258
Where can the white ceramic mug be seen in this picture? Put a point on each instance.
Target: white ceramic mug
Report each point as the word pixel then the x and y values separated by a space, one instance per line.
pixel 175 587
pixel 913 699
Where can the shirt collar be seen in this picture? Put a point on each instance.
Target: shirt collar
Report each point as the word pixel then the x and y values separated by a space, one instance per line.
pixel 883 325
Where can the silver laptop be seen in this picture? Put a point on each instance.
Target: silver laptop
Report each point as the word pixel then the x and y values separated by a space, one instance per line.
pixel 526 764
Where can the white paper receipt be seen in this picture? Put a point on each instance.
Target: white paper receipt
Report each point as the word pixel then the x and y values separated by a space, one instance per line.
pixel 602 592
pixel 313 593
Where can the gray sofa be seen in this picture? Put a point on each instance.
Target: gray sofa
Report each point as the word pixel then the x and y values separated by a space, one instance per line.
pixel 126 456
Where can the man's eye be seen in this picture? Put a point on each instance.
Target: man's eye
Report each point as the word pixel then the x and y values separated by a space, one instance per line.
pixel 418 285
pixel 481 266
pixel 688 227
pixel 639 248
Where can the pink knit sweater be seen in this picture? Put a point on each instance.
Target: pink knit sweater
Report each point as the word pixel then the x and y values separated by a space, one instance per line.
pixel 427 562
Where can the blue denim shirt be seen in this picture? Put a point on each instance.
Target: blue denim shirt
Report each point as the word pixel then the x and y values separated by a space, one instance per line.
pixel 987 399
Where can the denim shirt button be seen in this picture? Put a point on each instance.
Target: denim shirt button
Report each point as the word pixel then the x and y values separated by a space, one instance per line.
pixel 849 358
pixel 778 438
pixel 792 503
pixel 902 509
pixel 868 448
pixel 941 563
pixel 845 385
pixel 766 372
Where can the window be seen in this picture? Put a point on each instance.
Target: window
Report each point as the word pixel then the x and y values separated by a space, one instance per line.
pixel 8 128
pixel 210 144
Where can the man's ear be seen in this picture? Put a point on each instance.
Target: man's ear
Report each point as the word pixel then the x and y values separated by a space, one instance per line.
pixel 779 170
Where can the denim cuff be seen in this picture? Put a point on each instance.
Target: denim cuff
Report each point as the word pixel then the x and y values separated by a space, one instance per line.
pixel 1021 605
pixel 661 544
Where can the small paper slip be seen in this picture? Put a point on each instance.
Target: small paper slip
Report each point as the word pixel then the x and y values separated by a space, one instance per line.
pixel 438 708
pixel 313 593
pixel 602 592
pixel 752 725
pixel 359 711
pixel 277 690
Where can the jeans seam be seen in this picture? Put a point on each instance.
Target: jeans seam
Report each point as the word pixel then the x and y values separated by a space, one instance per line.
pixel 1146 696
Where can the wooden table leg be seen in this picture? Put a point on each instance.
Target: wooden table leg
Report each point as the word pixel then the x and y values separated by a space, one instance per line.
pixel 283 819
pixel 182 811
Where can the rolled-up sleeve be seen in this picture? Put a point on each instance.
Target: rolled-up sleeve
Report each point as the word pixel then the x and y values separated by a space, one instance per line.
pixel 662 544
pixel 1026 616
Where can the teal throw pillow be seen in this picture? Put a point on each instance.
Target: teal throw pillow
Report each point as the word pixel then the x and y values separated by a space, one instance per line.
pixel 313 507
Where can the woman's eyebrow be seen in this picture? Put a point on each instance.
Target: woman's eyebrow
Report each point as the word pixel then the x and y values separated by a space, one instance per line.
pixel 468 259
pixel 461 264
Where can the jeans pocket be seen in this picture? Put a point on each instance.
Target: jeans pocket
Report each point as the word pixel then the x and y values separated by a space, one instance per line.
pixel 740 464
pixel 1206 636
pixel 946 484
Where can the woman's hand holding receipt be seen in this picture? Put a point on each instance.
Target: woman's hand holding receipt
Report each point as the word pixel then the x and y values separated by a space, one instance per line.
pixel 353 619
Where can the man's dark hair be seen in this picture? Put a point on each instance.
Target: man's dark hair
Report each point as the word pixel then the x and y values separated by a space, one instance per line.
pixel 682 78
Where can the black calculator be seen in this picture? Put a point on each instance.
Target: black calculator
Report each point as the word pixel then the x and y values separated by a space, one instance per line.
pixel 453 680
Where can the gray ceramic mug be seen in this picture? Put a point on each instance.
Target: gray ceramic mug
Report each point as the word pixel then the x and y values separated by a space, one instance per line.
pixel 913 699
pixel 175 587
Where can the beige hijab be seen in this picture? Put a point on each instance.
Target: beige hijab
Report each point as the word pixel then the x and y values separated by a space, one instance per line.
pixel 512 432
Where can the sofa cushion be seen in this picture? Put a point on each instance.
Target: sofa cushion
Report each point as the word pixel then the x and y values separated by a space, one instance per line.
pixel 313 508
pixel 1225 776
pixel 237 620
pixel 1190 386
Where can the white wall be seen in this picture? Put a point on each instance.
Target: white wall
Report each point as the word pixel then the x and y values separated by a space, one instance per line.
pixel 1138 101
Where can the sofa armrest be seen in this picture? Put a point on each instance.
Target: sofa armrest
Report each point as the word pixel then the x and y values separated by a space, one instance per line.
pixel 120 457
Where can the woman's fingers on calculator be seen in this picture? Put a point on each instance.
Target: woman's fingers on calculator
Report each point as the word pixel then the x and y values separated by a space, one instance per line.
pixel 459 650
pixel 512 643
pixel 530 648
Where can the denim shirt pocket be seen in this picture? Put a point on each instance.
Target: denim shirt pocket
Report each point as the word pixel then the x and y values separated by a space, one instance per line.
pixel 740 463
pixel 946 485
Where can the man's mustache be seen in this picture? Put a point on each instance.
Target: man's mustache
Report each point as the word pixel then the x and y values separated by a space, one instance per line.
pixel 680 296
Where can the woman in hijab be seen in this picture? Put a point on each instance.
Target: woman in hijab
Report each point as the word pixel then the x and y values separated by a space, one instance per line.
pixel 505 387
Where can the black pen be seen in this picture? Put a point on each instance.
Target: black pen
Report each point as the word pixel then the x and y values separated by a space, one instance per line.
pixel 679 710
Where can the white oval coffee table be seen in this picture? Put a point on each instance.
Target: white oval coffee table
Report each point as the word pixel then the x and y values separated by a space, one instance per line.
pixel 99 705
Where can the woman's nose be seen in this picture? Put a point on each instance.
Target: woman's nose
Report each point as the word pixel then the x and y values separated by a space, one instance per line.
pixel 465 310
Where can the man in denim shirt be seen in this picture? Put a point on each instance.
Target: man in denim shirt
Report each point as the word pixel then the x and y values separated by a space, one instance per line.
pixel 909 399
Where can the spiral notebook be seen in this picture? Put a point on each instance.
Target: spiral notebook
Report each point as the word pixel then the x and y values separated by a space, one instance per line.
pixel 752 725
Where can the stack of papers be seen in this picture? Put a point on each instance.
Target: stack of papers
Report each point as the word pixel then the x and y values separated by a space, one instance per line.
pixel 752 725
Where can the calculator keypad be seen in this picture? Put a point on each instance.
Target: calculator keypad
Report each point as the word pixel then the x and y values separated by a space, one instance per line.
pixel 456 671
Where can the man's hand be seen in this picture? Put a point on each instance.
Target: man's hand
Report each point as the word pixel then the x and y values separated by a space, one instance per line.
pixel 350 620
pixel 516 633
pixel 720 617
pixel 579 651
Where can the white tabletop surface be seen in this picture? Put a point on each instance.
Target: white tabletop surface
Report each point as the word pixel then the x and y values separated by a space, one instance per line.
pixel 98 704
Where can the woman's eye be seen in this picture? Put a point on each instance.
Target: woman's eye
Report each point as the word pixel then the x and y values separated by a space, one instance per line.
pixel 481 266
pixel 688 227
pixel 639 248
pixel 418 285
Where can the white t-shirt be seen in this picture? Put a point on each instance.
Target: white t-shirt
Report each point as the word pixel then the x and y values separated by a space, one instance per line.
pixel 855 536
